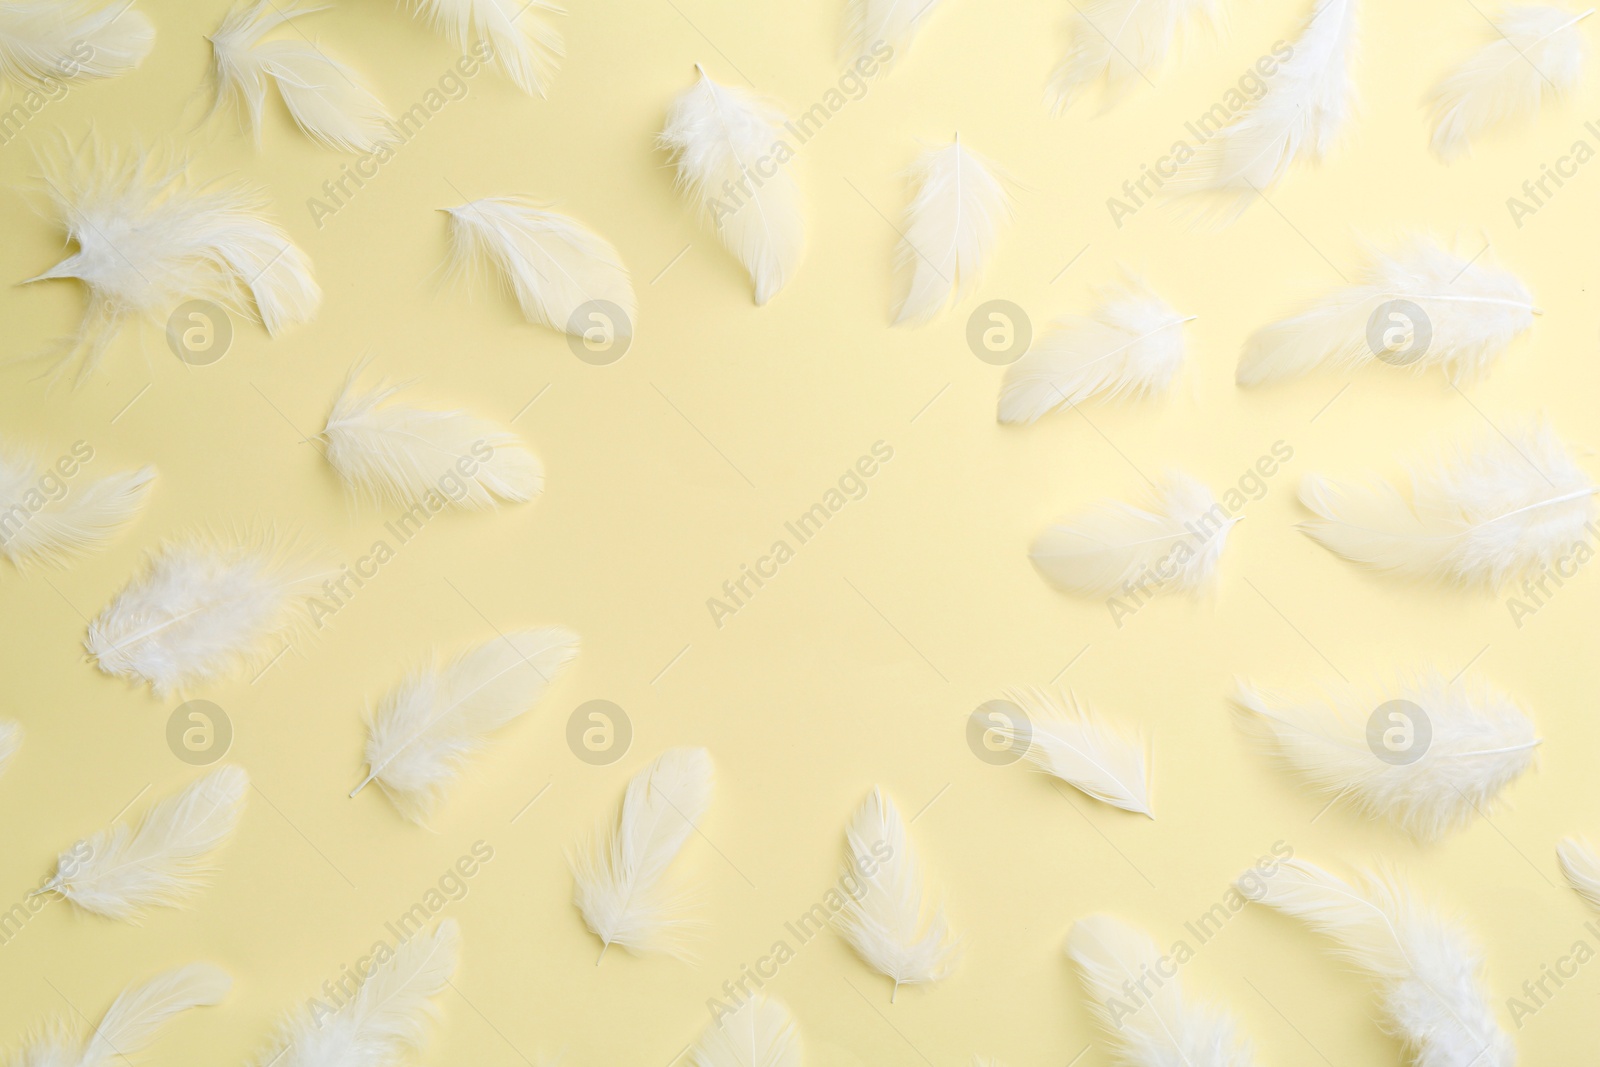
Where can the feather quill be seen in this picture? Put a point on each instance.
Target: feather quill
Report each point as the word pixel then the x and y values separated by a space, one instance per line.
pixel 951 228
pixel 10 741
pixel 1428 971
pixel 1502 506
pixel 1121 43
pixel 33 526
pixel 429 727
pixel 132 1022
pixel 1131 345
pixel 1164 1029
pixel 1478 741
pixel 518 34
pixel 1066 740
pixel 619 875
pixel 165 860
pixel 891 23
pixel 758 1033
pixel 717 135
pixel 1582 867
pixel 46 42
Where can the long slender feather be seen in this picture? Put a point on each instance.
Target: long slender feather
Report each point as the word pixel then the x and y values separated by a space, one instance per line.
pixel 40 524
pixel 10 742
pixel 758 1033
pixel 132 1022
pixel 1581 865
pixel 951 228
pixel 893 24
pixel 46 42
pixel 1121 43
pixel 1066 740
pixel 518 34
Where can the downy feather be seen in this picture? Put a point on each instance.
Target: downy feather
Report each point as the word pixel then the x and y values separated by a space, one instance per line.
pixel 620 875
pixel 758 1033
pixel 46 42
pixel 1121 43
pixel 1163 1029
pixel 1478 742
pixel 423 735
pixel 951 227
pixel 1538 51
pixel 165 860
pixel 1472 311
pixel 893 24
pixel 1131 345
pixel 1582 867
pixel 884 922
pixel 1428 971
pixel 720 134
pixel 132 1022
pixel 55 530
pixel 1066 740
pixel 10 741
pixel 552 263
pixel 1173 546
pixel 517 34
pixel 1502 506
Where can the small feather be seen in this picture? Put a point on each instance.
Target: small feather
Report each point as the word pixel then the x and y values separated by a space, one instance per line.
pixel 46 42
pixel 132 1022
pixel 892 24
pixel 758 1033
pixel 1066 740
pixel 10 742
pixel 79 521
pixel 1123 43
pixel 951 228
pixel 1582 867
pixel 517 34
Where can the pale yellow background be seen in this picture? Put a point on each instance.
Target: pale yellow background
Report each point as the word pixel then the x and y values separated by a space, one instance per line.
pixel 859 663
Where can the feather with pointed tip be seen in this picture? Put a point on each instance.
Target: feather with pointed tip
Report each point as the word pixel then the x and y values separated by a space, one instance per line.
pixel 1131 345
pixel 1066 740
pixel 165 860
pixel 758 1033
pixel 132 1022
pixel 884 923
pixel 951 228
pixel 35 526
pixel 1500 507
pixel 517 34
pixel 10 741
pixel 1173 546
pixel 1470 312
pixel 721 138
pixel 1582 867
pixel 427 729
pixel 1537 52
pixel 554 265
pixel 620 874
pixel 1428 971
pixel 893 24
pixel 1121 43
pixel 46 42
pixel 1477 742
pixel 1157 1026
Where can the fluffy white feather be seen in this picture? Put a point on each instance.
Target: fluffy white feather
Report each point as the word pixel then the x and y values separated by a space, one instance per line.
pixel 1537 52
pixel 427 729
pixel 1501 506
pixel 388 451
pixel 46 42
pixel 620 874
pixel 1582 867
pixel 722 140
pixel 1479 742
pixel 200 610
pixel 884 923
pixel 328 101
pixel 1173 546
pixel 1473 310
pixel 1122 43
pixel 165 860
pixel 1131 345
pixel 951 228
pixel 10 741
pixel 37 524
pixel 553 264
pixel 1068 741
pixel 134 1019
pixel 518 35
pixel 758 1033
pixel 1428 971
pixel 1163 1029
pixel 891 24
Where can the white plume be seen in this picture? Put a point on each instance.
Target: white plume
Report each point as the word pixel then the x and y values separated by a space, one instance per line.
pixel 722 140
pixel 890 23
pixel 10 741
pixel 1163 1029
pixel 1582 867
pixel 46 42
pixel 428 728
pixel 1537 52
pixel 134 1019
pixel 1470 311
pixel 1131 345
pixel 86 514
pixel 1500 507
pixel 950 232
pixel 884 922
pixel 758 1033
pixel 1066 740
pixel 165 860
pixel 1428 971
pixel 619 875
pixel 516 33
pixel 1123 43
pixel 1470 743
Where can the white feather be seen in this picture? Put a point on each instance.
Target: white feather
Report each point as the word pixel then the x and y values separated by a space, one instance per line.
pixel 1479 741
pixel 407 455
pixel 85 517
pixel 132 1022
pixel 1428 971
pixel 1473 310
pixel 326 98
pixel 884 922
pixel 1157 1027
pixel 894 23
pixel 1582 867
pixel 45 42
pixel 951 228
pixel 10 742
pixel 388 1016
pixel 553 264
pixel 1172 546
pixel 165 860
pixel 427 729
pixel 1500 507
pixel 620 875
pixel 518 33
pixel 1131 345
pixel 1068 741
pixel 1537 52
pixel 1123 43
pixel 758 1033
pixel 722 139
pixel 200 610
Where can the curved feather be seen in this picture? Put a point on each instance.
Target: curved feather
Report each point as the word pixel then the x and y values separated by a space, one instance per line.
pixel 45 42
pixel 85 517
pixel 758 1033
pixel 519 34
pixel 1066 740
pixel 1581 865
pixel 10 742
pixel 132 1022
pixel 894 23
pixel 1121 43
pixel 951 227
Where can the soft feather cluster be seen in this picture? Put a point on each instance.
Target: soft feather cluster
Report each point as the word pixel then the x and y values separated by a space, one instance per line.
pixel 951 228
pixel 132 1022
pixel 36 524
pixel 45 42
pixel 519 34
pixel 1121 43
pixel 1067 740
